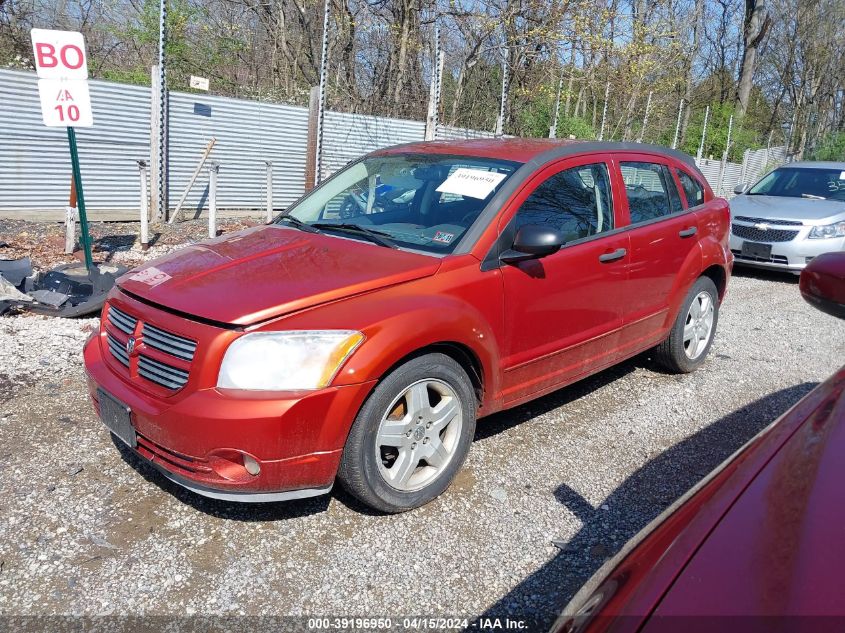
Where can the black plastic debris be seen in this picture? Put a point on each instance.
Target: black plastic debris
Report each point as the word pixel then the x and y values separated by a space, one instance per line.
pixel 15 270
pixel 13 274
pixel 71 290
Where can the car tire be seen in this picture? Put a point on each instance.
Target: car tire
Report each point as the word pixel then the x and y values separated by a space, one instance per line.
pixel 423 410
pixel 686 347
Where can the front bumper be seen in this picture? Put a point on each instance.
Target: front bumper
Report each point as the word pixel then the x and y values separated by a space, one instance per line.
pixel 791 256
pixel 198 440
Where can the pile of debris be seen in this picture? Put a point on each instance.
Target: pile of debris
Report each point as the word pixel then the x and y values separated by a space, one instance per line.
pixel 68 290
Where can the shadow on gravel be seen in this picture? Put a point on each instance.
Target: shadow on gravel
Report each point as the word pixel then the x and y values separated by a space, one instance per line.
pixel 234 511
pixel 764 275
pixel 635 503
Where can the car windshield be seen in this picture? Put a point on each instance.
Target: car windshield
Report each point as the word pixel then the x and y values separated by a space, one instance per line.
pixel 794 182
pixel 419 202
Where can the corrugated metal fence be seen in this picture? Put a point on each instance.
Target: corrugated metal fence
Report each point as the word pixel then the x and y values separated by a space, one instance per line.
pixel 34 159
pixel 249 134
pixel 35 165
pixel 755 164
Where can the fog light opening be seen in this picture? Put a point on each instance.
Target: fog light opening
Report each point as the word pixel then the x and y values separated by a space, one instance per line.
pixel 252 466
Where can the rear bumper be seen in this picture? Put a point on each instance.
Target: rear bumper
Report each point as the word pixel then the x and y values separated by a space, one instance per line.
pixel 791 256
pixel 199 439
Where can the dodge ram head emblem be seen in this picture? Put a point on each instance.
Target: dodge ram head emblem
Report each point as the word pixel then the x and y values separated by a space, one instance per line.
pixel 130 345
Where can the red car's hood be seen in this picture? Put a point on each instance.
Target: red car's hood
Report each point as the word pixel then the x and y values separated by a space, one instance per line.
pixel 779 549
pixel 267 271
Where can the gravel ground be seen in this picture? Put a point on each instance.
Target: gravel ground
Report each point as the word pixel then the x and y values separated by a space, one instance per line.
pixel 113 242
pixel 549 491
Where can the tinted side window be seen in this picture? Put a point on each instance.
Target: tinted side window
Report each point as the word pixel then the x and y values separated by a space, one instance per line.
pixel 648 187
pixel 575 201
pixel 674 196
pixel 692 188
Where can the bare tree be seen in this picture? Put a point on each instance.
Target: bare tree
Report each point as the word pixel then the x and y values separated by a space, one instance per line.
pixel 755 26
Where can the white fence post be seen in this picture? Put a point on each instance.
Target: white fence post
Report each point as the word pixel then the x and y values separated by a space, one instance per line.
pixel 213 169
pixel 321 107
pixel 645 118
pixel 434 87
pixel 70 229
pixel 725 157
pixel 144 206
pixel 703 134
pixel 604 110
pixel 503 103
pixel 678 125
pixel 269 193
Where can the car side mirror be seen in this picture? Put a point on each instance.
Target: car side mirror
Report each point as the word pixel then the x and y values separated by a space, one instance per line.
pixel 533 242
pixel 822 283
pixel 741 188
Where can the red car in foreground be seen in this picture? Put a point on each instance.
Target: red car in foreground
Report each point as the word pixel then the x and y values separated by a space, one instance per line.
pixel 361 334
pixel 759 540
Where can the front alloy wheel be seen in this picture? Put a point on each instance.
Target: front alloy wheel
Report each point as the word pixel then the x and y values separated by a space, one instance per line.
pixel 411 435
pixel 419 434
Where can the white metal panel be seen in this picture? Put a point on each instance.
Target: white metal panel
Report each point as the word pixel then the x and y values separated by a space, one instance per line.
pixel 348 136
pixel 451 133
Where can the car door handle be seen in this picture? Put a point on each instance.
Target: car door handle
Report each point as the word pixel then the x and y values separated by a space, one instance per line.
pixel 688 232
pixel 619 253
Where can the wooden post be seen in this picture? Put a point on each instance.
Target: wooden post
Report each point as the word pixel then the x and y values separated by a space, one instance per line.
pixel 269 193
pixel 213 169
pixel 311 148
pixel 70 220
pixel 144 206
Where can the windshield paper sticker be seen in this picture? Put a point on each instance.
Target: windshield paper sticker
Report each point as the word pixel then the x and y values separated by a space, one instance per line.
pixel 151 276
pixel 443 237
pixel 472 183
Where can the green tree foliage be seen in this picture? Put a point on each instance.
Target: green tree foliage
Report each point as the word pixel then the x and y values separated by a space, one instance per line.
pixel 832 147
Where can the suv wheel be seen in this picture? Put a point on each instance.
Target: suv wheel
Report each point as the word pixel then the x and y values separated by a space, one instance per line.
pixel 411 436
pixel 692 334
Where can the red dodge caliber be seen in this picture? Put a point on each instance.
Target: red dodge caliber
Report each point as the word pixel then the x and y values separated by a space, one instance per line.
pixel 361 334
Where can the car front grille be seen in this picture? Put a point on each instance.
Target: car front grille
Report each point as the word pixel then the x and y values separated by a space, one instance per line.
pixel 160 373
pixel 759 235
pixel 743 218
pixel 177 346
pixel 118 350
pixel 121 320
pixel 153 354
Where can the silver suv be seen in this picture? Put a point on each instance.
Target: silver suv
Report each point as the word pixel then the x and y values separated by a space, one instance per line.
pixel 793 214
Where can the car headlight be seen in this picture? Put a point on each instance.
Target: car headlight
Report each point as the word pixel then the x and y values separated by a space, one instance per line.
pixel 281 361
pixel 837 229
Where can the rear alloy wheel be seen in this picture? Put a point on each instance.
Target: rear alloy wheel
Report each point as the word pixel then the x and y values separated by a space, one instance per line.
pixel 692 333
pixel 411 436
pixel 698 326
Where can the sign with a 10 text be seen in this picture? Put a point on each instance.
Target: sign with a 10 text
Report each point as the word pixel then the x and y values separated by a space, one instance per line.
pixel 62 78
